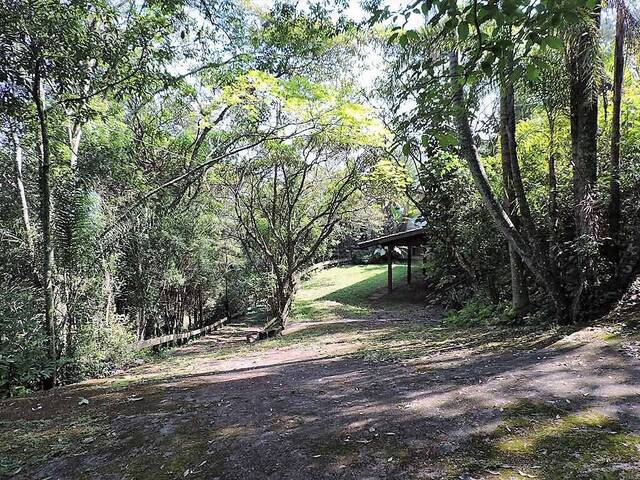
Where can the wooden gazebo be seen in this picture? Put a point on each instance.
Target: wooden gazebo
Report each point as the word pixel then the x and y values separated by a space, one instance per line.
pixel 409 238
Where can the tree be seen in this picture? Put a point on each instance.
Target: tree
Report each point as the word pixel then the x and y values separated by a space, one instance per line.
pixel 583 104
pixel 508 149
pixel 626 28
pixel 290 194
pixel 510 40
pixel 65 67
pixel 538 265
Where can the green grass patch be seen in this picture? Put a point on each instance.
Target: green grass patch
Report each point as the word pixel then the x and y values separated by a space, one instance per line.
pixel 347 292
pixel 552 443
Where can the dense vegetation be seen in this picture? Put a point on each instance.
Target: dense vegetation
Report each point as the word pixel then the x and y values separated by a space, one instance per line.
pixel 167 163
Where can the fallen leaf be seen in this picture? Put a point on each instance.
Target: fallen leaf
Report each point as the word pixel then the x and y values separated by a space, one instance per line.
pixel 83 401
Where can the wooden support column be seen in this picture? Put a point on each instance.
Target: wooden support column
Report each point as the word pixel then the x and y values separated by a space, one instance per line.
pixel 409 264
pixel 389 268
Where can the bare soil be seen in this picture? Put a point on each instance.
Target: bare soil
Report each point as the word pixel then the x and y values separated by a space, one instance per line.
pixel 391 395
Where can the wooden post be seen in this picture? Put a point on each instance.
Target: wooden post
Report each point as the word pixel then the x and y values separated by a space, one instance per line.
pixel 409 264
pixel 389 268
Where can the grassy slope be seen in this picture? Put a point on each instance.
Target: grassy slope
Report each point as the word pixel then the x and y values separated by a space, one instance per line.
pixel 345 292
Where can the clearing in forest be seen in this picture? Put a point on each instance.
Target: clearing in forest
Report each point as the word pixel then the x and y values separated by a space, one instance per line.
pixel 363 385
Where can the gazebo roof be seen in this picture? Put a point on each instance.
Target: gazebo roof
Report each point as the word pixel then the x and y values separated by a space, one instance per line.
pixel 409 237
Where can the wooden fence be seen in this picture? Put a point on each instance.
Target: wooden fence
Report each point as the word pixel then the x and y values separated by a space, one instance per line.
pixel 328 263
pixel 179 338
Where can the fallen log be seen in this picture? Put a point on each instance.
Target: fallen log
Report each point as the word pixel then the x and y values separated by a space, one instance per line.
pixel 272 329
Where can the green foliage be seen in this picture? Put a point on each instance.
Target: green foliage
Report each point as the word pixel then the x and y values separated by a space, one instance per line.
pixel 104 346
pixel 385 180
pixel 23 359
pixel 148 108
pixel 332 111
pixel 479 313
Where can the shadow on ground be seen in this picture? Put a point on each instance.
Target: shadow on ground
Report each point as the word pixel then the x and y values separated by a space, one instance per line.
pixel 378 397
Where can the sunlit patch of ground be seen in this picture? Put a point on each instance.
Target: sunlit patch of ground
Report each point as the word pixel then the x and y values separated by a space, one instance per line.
pixel 553 441
pixel 355 291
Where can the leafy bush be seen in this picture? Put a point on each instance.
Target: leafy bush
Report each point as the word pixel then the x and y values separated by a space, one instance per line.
pixel 361 257
pixel 23 359
pixel 103 347
pixel 477 313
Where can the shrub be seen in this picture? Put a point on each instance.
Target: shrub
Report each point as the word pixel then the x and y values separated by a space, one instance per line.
pixel 23 358
pixel 103 347
pixel 477 313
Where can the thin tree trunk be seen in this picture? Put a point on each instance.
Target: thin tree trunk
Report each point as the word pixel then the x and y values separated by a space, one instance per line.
pixel 537 264
pixel 553 181
pixel 74 131
pixel 108 286
pixel 614 189
pixel 519 290
pixel 508 118
pixel 26 218
pixel 45 221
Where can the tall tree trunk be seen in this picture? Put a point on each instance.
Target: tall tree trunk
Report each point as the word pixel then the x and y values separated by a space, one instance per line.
pixel 26 218
pixel 536 263
pixel 108 291
pixel 614 189
pixel 508 117
pixel 74 130
pixel 553 180
pixel 519 290
pixel 44 153
pixel 584 131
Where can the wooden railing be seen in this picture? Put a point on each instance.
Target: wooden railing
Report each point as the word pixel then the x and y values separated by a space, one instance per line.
pixel 179 338
pixel 328 263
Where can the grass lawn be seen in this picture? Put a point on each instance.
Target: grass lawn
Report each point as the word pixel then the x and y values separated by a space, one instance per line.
pixel 351 291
